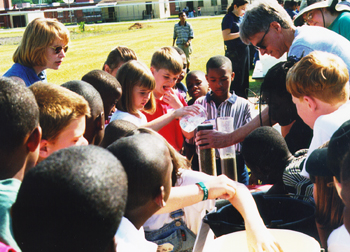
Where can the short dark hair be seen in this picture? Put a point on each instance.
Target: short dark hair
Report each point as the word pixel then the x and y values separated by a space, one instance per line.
pixel 116 129
pixel 91 95
pixel 19 113
pixel 106 84
pixel 219 61
pixel 265 149
pixel 119 54
pixel 72 201
pixel 142 156
pixel 182 12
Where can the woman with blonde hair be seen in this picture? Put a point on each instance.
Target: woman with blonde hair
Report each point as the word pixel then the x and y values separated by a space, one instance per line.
pixel 44 45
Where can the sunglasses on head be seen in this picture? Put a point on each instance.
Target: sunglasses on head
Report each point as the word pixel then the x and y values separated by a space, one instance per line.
pixel 58 49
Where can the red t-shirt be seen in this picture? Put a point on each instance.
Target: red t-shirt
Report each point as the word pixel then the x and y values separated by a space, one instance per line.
pixel 5 248
pixel 171 132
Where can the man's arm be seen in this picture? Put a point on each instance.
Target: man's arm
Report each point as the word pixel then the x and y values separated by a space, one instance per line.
pixel 216 139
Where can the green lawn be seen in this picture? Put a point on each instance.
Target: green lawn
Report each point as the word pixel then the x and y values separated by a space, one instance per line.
pixel 88 50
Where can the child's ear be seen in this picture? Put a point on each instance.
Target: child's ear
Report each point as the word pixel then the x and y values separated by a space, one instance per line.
pixel 160 197
pixel 100 121
pixel 107 69
pixel 311 103
pixel 153 70
pixel 44 149
pixel 34 139
pixel 233 76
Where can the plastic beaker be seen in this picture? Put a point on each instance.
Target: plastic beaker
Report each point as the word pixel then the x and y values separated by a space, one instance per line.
pixel 227 154
pixel 189 122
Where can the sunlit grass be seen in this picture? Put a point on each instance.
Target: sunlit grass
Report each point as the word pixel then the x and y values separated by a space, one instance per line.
pixel 88 50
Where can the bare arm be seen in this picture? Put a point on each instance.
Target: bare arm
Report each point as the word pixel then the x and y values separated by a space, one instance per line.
pixel 163 120
pixel 174 42
pixel 216 139
pixel 258 237
pixel 227 35
pixel 182 196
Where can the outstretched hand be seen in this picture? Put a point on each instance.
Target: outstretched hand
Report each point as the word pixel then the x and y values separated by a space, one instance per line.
pixel 206 139
pixel 188 110
pixel 260 239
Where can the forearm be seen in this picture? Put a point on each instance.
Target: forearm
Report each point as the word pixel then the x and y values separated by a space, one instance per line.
pixel 227 35
pixel 181 197
pixel 161 121
pixel 174 42
pixel 240 134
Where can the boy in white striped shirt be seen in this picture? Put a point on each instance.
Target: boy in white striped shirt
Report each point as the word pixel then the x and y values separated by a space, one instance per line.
pixel 219 102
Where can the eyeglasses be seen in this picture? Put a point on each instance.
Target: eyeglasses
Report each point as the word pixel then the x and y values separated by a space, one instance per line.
pixel 259 45
pixel 308 16
pixel 58 49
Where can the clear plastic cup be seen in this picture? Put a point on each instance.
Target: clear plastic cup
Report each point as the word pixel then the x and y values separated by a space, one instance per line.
pixel 189 122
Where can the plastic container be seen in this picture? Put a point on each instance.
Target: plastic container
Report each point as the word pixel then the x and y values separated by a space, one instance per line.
pixel 206 157
pixel 189 123
pixel 228 154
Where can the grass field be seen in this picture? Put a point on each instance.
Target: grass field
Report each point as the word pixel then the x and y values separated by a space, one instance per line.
pixel 88 50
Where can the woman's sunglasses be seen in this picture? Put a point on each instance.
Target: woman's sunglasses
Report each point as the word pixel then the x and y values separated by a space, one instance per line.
pixel 58 49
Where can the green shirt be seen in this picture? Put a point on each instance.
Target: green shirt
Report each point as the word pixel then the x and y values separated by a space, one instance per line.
pixel 8 194
pixel 341 24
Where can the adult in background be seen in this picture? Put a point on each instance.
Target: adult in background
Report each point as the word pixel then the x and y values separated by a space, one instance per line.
pixel 44 45
pixel 329 14
pixel 183 34
pixel 268 27
pixel 291 8
pixel 235 49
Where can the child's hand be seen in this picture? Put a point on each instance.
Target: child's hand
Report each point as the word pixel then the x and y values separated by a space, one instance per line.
pixel 171 98
pixel 260 239
pixel 188 110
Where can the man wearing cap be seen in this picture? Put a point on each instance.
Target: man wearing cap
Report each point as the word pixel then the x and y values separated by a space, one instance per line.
pixel 329 161
pixel 329 14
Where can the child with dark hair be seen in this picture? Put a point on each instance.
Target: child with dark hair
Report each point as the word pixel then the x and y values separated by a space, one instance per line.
pixel 235 49
pixel 267 155
pixel 95 124
pixel 62 117
pixel 282 109
pixel 108 87
pixel 116 129
pixel 219 102
pixel 116 58
pixel 72 201
pixel 328 163
pixel 197 85
pixel 20 136
pixel 147 163
pixel 179 86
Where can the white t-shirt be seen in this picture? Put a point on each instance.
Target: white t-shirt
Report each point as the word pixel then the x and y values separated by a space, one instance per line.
pixel 339 240
pixel 128 238
pixel 121 115
pixel 193 214
pixel 324 128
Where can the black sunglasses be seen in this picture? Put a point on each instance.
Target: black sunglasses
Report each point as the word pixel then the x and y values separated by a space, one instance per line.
pixel 259 45
pixel 58 49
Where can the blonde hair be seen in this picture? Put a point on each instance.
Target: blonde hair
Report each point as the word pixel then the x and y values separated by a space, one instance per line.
pixel 39 34
pixel 167 58
pixel 134 73
pixel 58 106
pixel 319 74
